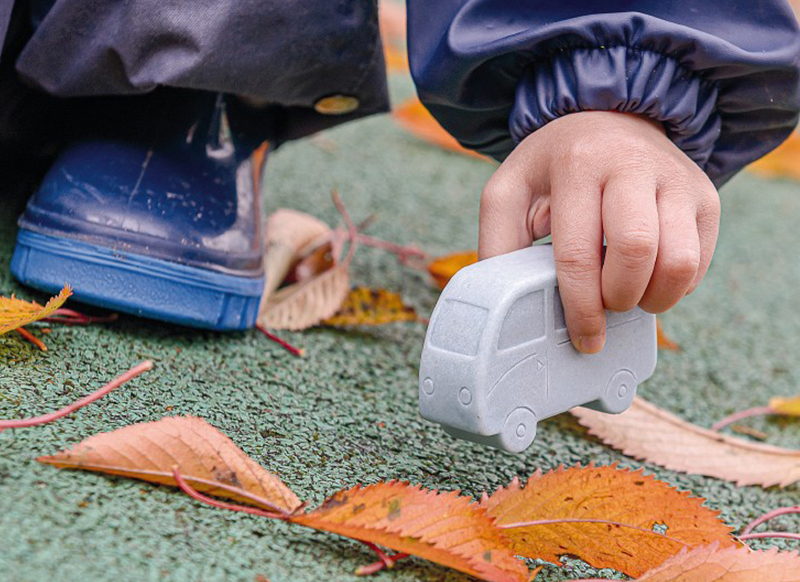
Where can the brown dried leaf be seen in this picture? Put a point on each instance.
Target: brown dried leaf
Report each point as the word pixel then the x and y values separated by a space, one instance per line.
pixel 414 118
pixel 15 313
pixel 445 528
pixel 204 456
pixel 307 303
pixel 649 433
pixel 288 233
pixel 727 565
pixel 604 515
pixel 365 306
pixel 443 268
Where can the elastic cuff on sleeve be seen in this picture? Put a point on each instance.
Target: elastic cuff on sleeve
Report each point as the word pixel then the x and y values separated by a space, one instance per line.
pixel 621 79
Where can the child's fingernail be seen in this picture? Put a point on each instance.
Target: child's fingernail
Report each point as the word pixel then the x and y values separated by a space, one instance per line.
pixel 591 344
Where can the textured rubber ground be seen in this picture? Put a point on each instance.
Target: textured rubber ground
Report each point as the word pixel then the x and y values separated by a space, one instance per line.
pixel 347 412
pixel 136 284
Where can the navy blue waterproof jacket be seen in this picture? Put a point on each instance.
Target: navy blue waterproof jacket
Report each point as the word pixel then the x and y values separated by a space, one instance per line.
pixel 722 75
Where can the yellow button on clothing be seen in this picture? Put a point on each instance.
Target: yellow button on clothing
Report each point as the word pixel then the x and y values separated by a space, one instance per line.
pixel 336 105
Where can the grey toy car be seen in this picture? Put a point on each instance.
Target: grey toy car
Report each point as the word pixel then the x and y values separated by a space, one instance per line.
pixel 497 356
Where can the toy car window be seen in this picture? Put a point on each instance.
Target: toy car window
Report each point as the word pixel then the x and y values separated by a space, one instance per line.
pixel 558 311
pixel 458 327
pixel 524 322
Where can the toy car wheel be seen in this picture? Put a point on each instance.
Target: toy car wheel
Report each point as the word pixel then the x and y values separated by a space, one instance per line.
pixel 619 393
pixel 519 430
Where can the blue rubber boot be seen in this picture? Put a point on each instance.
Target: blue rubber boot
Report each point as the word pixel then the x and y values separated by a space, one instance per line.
pixel 164 223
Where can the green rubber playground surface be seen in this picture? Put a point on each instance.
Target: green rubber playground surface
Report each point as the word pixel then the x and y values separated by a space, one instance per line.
pixel 347 413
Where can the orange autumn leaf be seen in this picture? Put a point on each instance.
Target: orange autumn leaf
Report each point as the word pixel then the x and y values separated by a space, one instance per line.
pixel 443 268
pixel 727 565
pixel 392 20
pixel 606 516
pixel 15 313
pixel 365 306
pixel 445 528
pixel 205 457
pixel 647 432
pixel 783 162
pixel 413 117
pixel 663 340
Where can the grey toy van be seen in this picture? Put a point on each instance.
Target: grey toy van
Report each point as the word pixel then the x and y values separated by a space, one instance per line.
pixel 497 356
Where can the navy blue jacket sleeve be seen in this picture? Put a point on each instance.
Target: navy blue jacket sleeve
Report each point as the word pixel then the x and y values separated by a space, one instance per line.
pixel 722 75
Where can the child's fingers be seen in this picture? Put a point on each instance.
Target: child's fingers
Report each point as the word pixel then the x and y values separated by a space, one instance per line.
pixel 503 225
pixel 577 245
pixel 678 257
pixel 630 225
pixel 708 215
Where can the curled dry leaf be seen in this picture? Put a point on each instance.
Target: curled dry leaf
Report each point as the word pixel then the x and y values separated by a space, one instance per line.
pixel 727 565
pixel 206 458
pixel 414 118
pixel 288 233
pixel 445 528
pixel 308 302
pixel 654 435
pixel 305 304
pixel 443 268
pixel 15 313
pixel 365 306
pixel 604 515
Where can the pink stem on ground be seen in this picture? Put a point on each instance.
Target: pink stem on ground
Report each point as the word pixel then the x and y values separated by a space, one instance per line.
pixel 403 252
pixel 769 534
pixel 737 416
pixel 70 317
pixel 193 493
pixel 114 384
pixel 385 562
pixel 299 352
pixel 352 231
pixel 31 338
pixel 768 516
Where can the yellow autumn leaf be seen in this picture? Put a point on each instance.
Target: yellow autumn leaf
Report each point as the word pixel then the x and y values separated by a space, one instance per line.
pixel 15 313
pixel 785 406
pixel 366 306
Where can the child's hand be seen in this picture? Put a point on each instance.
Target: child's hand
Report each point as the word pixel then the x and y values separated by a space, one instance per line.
pixel 590 174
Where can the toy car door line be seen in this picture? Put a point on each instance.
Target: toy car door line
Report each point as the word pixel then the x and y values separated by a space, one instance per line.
pixel 497 357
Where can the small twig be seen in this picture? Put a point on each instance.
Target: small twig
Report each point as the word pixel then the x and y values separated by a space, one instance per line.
pixel 385 562
pixel 31 338
pixel 352 231
pixel 768 516
pixel 66 316
pixel 114 384
pixel 192 492
pixel 403 253
pixel 757 411
pixel 299 352
pixel 769 534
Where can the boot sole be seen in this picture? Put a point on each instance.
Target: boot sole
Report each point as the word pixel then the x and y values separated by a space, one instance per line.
pixel 136 284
